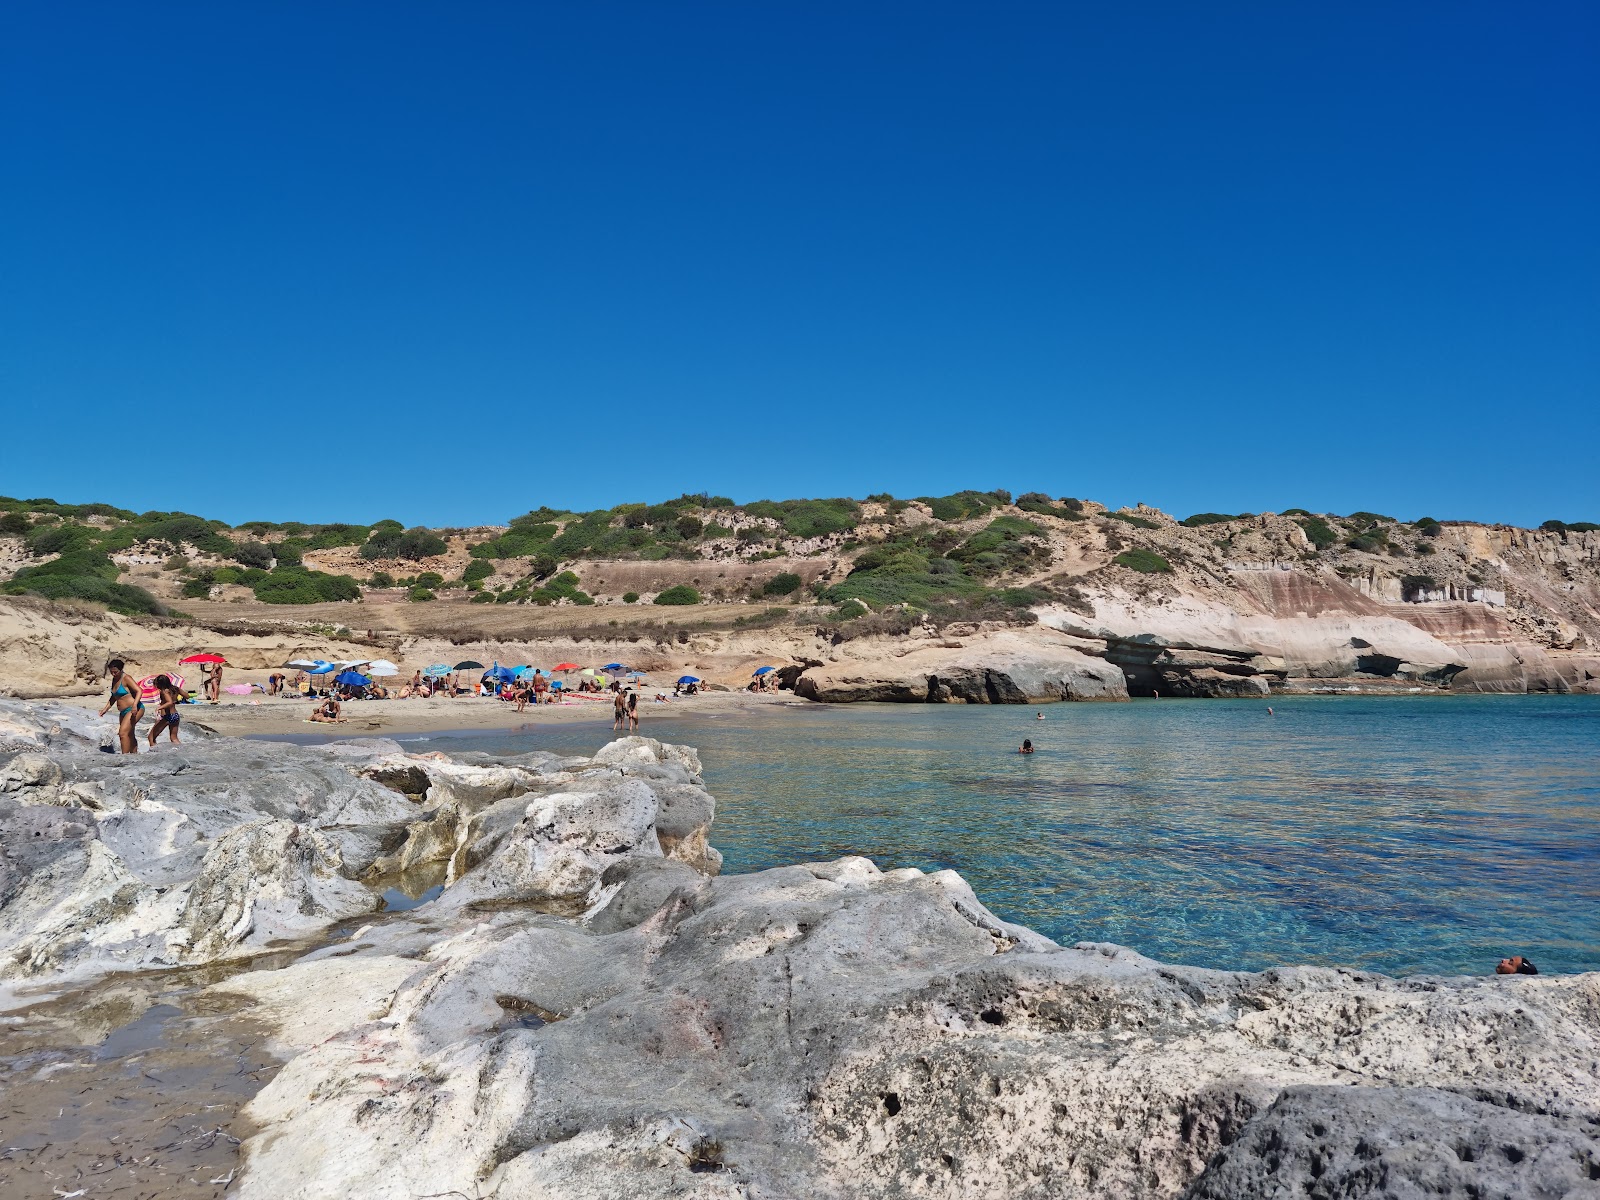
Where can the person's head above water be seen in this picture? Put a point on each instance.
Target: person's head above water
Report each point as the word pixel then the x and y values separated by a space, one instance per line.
pixel 1516 965
pixel 1027 745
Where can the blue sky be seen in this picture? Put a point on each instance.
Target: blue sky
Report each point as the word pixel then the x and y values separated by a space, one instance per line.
pixel 462 260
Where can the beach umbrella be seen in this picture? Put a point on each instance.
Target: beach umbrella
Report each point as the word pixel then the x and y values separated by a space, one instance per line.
pixel 436 670
pixel 383 669
pixel 613 667
pixel 469 665
pixel 765 670
pixel 301 664
pixel 322 668
pixel 147 685
pixel 566 666
pixel 344 664
pixel 687 679
pixel 351 679
pixel 587 671
pixel 636 674
pixel 204 658
pixel 524 672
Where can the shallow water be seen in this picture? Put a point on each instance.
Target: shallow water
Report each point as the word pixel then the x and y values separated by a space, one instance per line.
pixel 1400 834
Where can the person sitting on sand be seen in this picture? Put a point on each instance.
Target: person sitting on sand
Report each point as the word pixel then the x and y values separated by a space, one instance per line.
pixel 1026 747
pixel 328 712
pixel 168 698
pixel 1516 965
pixel 130 709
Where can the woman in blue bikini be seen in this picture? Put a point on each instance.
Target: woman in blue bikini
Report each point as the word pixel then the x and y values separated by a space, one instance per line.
pixel 168 697
pixel 130 709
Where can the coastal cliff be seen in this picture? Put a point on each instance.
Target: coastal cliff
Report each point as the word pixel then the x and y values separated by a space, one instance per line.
pixel 973 598
pixel 586 1007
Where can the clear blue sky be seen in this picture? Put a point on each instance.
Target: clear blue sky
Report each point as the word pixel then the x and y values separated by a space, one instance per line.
pixel 1210 257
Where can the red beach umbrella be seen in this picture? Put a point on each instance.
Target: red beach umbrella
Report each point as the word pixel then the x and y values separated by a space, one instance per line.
pixel 566 666
pixel 204 658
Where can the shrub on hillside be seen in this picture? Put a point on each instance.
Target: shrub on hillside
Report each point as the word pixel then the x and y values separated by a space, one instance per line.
pixel 15 523
pixel 681 594
pixel 690 527
pixel 630 597
pixel 1129 519
pixel 59 539
pixel 254 554
pixel 419 594
pixel 477 569
pixel 1319 532
pixel 296 585
pixel 381 579
pixel 782 585
pixel 389 541
pixel 1199 519
pixel 1146 561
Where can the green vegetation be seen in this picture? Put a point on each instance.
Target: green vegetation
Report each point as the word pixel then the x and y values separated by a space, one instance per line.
pixel 1128 518
pixel 782 585
pixel 1199 519
pixel 388 540
pixel 419 594
pixel 630 597
pixel 682 594
pixel 296 585
pixel 1319 532
pixel 960 506
pixel 254 554
pixel 850 610
pixel 477 569
pixel 1146 561
pixel 1569 527
pixel 808 518
pixel 1037 502
pixel 84 575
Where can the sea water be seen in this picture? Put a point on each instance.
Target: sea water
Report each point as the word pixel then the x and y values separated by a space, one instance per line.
pixel 1398 834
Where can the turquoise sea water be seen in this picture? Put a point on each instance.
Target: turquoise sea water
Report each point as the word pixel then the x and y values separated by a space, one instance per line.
pixel 1400 834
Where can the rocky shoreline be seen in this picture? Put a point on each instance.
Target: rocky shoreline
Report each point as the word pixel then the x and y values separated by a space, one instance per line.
pixel 587 1008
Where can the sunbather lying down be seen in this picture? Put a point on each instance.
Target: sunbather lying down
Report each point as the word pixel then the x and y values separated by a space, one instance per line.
pixel 328 712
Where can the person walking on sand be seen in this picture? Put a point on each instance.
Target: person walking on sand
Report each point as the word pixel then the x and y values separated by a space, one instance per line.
pixel 130 709
pixel 633 711
pixel 168 697
pixel 619 714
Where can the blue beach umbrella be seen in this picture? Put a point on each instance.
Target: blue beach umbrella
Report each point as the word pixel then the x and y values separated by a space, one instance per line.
pixel 351 679
pixel 322 668
pixel 687 679
pixel 436 670
pixel 765 670
pixel 499 672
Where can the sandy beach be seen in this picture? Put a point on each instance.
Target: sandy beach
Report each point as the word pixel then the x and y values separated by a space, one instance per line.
pixel 247 716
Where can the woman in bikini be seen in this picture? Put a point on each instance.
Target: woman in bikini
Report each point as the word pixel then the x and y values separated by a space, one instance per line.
pixel 168 698
pixel 130 709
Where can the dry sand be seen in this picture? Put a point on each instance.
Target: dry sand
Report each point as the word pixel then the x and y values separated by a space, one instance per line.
pixel 276 716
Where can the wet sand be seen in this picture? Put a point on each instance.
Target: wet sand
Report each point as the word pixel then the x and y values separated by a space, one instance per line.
pixel 130 1088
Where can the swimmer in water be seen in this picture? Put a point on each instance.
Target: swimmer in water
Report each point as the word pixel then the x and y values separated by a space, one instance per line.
pixel 1026 747
pixel 1038 716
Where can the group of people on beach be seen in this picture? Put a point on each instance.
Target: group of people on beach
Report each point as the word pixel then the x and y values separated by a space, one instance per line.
pixel 126 699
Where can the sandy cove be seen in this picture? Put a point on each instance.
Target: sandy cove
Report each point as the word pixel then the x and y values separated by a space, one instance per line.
pixel 258 716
